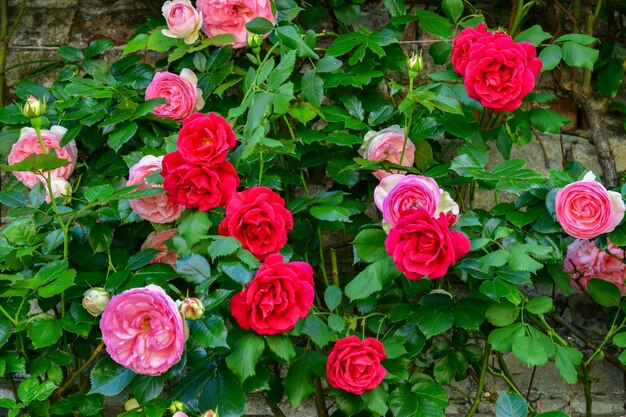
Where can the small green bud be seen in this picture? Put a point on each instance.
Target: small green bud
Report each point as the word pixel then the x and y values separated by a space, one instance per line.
pixel 33 108
pixel 192 308
pixel 415 64
pixel 95 299
pixel 177 406
pixel 255 41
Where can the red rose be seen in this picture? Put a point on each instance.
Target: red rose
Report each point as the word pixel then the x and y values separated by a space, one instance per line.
pixel 501 72
pixel 198 186
pixel 424 246
pixel 257 217
pixel 462 45
pixel 354 365
pixel 280 294
pixel 205 139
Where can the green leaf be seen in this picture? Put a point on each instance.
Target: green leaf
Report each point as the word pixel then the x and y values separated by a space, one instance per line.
pixel 36 163
pixel 193 268
pixel 247 350
pixel 502 314
pixel 100 237
pixel 69 53
pixel 534 34
pixel 12 199
pixel 110 378
pixel 403 402
pixel 550 56
pixel 548 121
pixel 299 381
pixel 5 332
pixel 317 330
pixel 433 23
pixel 434 319
pixel 136 43
pixel 282 346
pixel 260 26
pixel 146 387
pixel 328 64
pixel 369 245
pixel 194 227
pixel 576 55
pixel 209 331
pixel 332 297
pixel 312 88
pixel 330 213
pixel 282 71
pixel 60 283
pixel 159 42
pixel 619 340
pixel 371 279
pixel 577 38
pixel 566 360
pixel 376 400
pixel 146 107
pixel 223 246
pixel 292 40
pixel 539 305
pixel 122 134
pixel 511 405
pixel 224 394
pixel 604 293
pixel 440 51
pixel 529 351
pixel 453 9
pixel 44 331
pixel 140 259
pixel 99 193
pixel 552 414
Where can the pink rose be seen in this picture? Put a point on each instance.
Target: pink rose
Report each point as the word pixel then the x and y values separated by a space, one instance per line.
pixel 179 414
pixel 462 45
pixel 156 240
pixel 183 21
pixel 585 209
pixel 398 194
pixel 386 145
pixel 28 144
pixel 143 330
pixel 230 17
pixel 157 208
pixel 501 72
pixel 584 261
pixel 181 92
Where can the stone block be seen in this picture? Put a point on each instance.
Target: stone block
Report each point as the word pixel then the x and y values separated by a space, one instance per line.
pixel 43 27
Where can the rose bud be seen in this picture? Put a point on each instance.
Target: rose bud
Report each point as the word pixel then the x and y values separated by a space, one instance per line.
pixel 254 41
pixel 33 108
pixel 210 413
pixel 192 308
pixel 177 406
pixel 415 64
pixel 95 299
pixel 131 404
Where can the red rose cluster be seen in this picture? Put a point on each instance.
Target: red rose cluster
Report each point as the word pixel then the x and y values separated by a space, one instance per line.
pixel 498 71
pixel 197 175
pixel 422 245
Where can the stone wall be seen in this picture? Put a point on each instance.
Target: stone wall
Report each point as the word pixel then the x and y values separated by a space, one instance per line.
pixel 48 24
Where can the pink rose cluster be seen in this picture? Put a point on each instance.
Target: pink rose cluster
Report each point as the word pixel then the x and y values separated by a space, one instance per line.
pixel 497 71
pixel 390 145
pixel 143 330
pixel 28 144
pixel 157 208
pixel 585 261
pixel 585 209
pixel 181 92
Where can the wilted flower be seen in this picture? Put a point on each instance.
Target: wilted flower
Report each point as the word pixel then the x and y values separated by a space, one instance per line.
pixel 95 299
pixel 192 308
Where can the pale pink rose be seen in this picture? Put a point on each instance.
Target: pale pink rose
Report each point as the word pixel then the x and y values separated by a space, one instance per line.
pixel 183 21
pixel 157 208
pixel 179 414
pixel 584 261
pixel 181 92
pixel 585 209
pixel 143 330
pixel 399 194
pixel 386 145
pixel 28 144
pixel 60 188
pixel 231 16
pixel 156 240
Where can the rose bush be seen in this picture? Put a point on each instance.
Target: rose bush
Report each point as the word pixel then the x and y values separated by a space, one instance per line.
pixel 191 239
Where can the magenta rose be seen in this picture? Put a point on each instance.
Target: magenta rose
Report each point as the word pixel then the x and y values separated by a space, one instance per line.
pixel 28 144
pixel 156 240
pixel 386 145
pixel 205 139
pixel 398 194
pixel 198 186
pixel 280 294
pixel 585 209
pixel 181 92
pixel 183 21
pixel 230 17
pixel 143 330
pixel 257 217
pixel 157 208
pixel 501 72
pixel 422 245
pixel 354 365
pixel 584 261
pixel 462 45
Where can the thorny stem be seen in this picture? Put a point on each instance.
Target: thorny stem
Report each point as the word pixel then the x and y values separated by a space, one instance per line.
pixel 481 380
pixel 516 16
pixel 320 402
pixel 77 372
pixel 506 375
pixel 323 260
pixel 500 374
pixel 333 264
pixel 587 389
pixel 274 407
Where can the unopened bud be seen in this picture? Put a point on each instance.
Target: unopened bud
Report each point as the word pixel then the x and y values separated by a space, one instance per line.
pixel 210 413
pixel 415 64
pixel 95 299
pixel 255 41
pixel 33 108
pixel 61 188
pixel 192 308
pixel 176 407
pixel 131 404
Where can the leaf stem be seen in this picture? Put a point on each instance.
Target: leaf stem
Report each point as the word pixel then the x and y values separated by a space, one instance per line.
pixel 334 270
pixel 78 371
pixel 481 380
pixel 11 319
